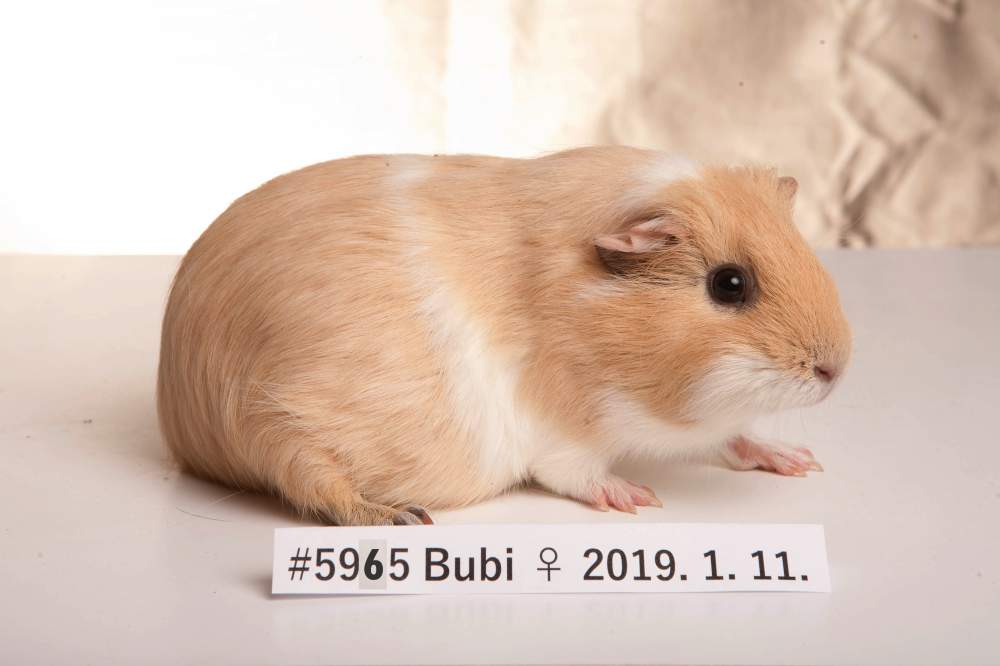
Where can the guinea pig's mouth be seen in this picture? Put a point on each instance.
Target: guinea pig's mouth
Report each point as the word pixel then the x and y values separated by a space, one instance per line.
pixel 747 383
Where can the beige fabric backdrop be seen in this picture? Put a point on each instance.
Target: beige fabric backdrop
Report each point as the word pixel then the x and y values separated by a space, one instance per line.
pixel 888 113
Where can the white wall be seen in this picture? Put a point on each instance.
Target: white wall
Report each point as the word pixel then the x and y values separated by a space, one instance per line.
pixel 127 127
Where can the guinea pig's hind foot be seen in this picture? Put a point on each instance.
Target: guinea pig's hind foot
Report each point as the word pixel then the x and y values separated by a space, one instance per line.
pixel 368 513
pixel 412 515
pixel 744 454
pixel 315 485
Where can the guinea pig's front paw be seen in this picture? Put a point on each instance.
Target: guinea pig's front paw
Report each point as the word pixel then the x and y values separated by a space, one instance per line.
pixel 614 492
pixel 742 454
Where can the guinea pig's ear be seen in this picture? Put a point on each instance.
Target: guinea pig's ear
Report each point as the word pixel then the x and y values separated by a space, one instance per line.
pixel 622 251
pixel 788 186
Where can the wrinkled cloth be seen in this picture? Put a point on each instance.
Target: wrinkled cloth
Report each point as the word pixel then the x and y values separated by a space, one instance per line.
pixel 888 113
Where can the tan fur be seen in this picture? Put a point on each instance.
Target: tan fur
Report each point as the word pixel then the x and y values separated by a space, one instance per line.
pixel 302 351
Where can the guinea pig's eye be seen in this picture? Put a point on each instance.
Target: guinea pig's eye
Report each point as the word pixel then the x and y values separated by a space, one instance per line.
pixel 729 284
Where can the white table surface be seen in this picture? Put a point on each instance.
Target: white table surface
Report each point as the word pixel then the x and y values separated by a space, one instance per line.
pixel 109 555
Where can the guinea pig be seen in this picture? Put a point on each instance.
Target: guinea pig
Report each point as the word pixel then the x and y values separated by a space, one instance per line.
pixel 371 336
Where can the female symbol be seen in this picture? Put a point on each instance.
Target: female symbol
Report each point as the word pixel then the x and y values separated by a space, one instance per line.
pixel 548 568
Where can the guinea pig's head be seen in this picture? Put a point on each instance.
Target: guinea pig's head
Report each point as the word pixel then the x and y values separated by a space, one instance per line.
pixel 718 308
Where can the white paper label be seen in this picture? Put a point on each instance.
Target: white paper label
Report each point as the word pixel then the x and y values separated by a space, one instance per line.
pixel 505 559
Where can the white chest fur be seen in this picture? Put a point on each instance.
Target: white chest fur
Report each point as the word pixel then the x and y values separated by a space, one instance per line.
pixel 633 430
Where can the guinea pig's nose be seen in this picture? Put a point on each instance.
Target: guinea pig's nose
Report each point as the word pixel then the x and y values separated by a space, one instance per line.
pixel 825 373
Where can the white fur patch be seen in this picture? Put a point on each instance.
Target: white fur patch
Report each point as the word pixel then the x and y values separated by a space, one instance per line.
pixel 570 469
pixel 662 170
pixel 481 381
pixel 628 429
pixel 747 384
pixel 633 430
pixel 669 168
pixel 403 172
pixel 483 391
